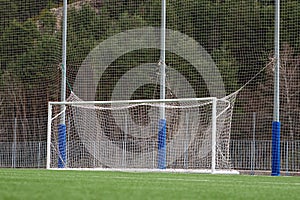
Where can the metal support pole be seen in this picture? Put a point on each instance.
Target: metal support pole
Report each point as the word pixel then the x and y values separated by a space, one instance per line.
pixel 62 125
pixel 162 123
pixel 276 122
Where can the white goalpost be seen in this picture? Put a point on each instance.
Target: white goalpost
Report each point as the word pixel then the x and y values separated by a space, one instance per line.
pixel 122 135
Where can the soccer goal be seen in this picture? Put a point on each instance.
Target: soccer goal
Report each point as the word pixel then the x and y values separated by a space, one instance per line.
pixel 124 135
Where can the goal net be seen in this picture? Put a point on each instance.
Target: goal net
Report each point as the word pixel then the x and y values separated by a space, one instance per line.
pixel 124 134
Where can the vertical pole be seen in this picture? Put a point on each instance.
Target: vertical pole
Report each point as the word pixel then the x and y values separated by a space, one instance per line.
pixel 14 146
pixel 49 136
pixel 276 122
pixel 163 56
pixel 162 122
pixel 253 145
pixel 213 135
pixel 287 158
pixel 39 154
pixel 186 140
pixel 94 161
pixel 62 125
pixel 124 144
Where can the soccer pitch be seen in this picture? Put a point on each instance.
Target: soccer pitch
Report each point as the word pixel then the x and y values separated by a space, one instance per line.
pixel 44 184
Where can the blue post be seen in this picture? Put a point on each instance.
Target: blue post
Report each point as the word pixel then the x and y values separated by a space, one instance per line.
pixel 276 149
pixel 162 144
pixel 62 145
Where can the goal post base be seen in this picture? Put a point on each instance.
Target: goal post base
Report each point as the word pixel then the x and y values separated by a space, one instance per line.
pixel 62 145
pixel 162 144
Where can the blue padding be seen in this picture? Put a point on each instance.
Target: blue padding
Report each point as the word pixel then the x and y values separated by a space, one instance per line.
pixel 162 144
pixel 62 145
pixel 275 149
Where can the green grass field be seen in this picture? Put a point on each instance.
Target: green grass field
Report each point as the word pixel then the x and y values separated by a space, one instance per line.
pixel 44 184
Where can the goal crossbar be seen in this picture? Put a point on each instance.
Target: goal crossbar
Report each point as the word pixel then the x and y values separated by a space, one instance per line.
pixel 134 101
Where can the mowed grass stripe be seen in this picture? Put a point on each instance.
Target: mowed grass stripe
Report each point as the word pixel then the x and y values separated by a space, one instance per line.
pixel 206 180
pixel 44 184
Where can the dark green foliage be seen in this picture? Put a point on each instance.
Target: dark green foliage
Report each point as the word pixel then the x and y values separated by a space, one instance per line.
pixel 16 40
pixel 47 22
pixel 8 11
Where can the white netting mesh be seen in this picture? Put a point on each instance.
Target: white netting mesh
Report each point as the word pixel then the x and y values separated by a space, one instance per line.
pixel 125 135
pixel 238 35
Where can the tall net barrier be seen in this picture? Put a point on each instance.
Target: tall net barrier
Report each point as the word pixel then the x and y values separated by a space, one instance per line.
pixel 222 49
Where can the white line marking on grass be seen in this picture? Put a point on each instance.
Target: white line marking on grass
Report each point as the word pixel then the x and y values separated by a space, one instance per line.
pixel 204 180
pixel 163 179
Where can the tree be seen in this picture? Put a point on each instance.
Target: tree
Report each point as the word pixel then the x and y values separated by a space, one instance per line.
pixel 47 22
pixel 260 99
pixel 8 11
pixel 228 68
pixel 290 94
pixel 290 25
pixel 29 61
pixel 16 40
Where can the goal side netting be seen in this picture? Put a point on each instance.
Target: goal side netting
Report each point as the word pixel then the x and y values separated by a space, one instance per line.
pixel 124 134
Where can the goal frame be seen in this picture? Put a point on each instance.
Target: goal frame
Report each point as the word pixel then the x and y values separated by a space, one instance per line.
pixel 214 100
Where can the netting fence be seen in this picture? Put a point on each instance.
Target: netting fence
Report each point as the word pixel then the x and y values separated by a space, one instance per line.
pixel 237 36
